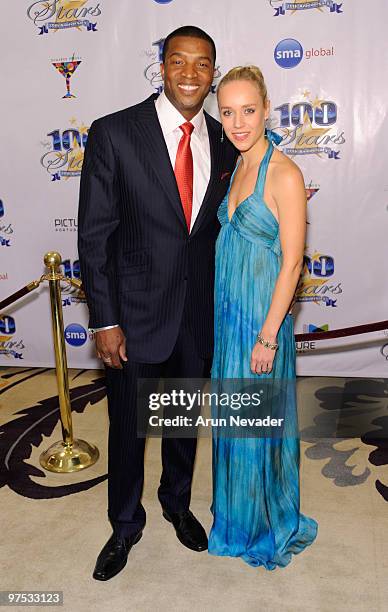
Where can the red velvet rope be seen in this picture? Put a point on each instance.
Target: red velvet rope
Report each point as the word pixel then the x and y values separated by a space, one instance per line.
pixel 15 296
pixel 320 335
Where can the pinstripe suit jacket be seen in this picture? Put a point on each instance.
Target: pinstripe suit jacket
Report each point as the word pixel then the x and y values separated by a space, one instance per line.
pixel 138 261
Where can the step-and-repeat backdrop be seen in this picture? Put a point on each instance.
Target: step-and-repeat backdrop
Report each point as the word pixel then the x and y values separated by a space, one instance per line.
pixel 66 62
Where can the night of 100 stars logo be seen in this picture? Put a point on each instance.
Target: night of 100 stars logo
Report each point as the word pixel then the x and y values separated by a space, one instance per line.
pixel 71 295
pixel 316 283
pixel 9 346
pixel 281 7
pixel 65 151
pixel 57 15
pixel 6 228
pixel 308 127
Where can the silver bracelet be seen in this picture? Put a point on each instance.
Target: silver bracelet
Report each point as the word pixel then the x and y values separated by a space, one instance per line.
pixel 266 343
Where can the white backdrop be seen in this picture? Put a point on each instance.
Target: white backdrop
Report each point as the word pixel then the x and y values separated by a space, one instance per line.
pixel 328 93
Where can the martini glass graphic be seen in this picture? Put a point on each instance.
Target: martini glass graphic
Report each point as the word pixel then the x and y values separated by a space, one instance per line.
pixel 67 69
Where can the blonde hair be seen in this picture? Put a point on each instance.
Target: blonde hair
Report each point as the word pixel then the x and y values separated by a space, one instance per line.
pixel 246 73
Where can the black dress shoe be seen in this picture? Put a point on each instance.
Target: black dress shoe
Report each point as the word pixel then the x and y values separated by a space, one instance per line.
pixel 188 529
pixel 113 557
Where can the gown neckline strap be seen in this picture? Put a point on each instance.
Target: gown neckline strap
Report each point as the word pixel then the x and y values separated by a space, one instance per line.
pixel 260 181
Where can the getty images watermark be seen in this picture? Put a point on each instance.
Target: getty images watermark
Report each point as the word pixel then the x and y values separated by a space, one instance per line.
pixel 229 408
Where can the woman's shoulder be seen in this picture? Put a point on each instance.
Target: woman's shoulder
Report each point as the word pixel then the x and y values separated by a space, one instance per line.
pixel 284 171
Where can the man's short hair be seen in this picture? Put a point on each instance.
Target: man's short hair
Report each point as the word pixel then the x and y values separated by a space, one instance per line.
pixel 193 32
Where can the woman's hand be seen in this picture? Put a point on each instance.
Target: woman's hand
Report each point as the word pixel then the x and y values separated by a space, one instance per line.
pixel 262 359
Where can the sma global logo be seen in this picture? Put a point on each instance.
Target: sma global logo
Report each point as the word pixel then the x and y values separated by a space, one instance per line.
pixel 75 334
pixel 288 53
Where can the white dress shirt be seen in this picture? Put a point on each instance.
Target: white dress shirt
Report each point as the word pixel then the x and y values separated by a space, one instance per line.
pixel 170 119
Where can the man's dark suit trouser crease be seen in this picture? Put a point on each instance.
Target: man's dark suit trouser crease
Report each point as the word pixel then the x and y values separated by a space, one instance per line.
pixel 126 450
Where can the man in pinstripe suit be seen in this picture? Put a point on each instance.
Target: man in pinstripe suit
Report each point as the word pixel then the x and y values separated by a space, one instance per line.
pixel 152 179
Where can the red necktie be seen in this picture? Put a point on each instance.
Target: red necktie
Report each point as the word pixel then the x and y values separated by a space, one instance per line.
pixel 184 171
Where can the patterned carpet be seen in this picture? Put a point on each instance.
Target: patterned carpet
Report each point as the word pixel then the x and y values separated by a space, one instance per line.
pixel 56 524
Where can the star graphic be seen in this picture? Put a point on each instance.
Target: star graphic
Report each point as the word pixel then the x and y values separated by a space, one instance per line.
pixel 83 129
pixel 306 93
pixel 317 102
pixel 73 121
pixel 316 256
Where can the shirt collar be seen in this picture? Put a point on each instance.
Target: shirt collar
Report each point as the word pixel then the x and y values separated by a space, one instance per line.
pixel 170 118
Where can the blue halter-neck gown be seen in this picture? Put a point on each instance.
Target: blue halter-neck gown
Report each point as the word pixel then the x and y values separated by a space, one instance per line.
pixel 255 480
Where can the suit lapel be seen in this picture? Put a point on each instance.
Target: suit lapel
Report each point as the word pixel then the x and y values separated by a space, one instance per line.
pixel 153 140
pixel 216 154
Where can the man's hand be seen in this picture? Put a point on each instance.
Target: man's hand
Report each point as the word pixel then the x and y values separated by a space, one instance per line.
pixel 111 347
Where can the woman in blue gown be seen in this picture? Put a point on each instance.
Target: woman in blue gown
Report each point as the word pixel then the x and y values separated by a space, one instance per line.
pixel 259 256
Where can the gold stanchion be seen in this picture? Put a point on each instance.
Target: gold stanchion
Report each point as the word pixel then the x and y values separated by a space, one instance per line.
pixel 69 455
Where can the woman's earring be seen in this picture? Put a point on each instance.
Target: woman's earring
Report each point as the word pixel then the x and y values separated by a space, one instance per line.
pixel 266 127
pixel 222 134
